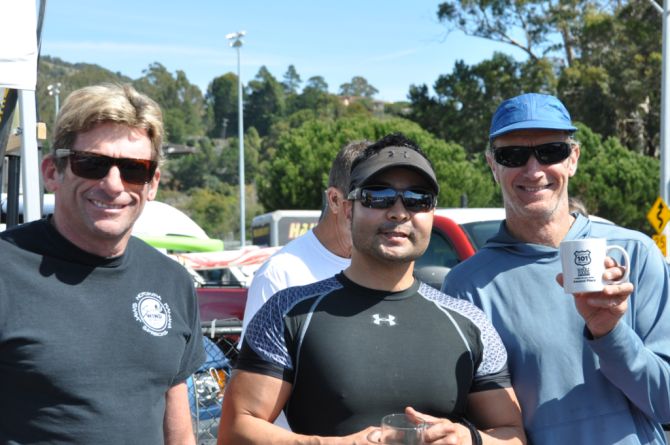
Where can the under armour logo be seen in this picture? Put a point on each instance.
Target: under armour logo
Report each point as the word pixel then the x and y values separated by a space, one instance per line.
pixel 378 320
pixel 392 152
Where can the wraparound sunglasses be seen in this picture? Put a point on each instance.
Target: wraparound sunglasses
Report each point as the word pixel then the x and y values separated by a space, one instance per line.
pixel 383 197
pixel 96 166
pixel 546 154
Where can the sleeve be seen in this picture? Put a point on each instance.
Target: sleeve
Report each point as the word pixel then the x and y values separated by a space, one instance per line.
pixel 491 369
pixel 265 349
pixel 194 351
pixel 635 356
pixel 264 285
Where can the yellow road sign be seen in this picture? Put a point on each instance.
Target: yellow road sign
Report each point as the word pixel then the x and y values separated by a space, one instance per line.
pixel 659 215
pixel 661 243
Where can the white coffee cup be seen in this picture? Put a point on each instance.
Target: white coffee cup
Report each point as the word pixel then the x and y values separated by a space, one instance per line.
pixel 583 263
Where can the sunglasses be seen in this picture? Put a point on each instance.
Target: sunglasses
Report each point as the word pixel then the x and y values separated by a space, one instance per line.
pixel 381 197
pixel 94 166
pixel 546 154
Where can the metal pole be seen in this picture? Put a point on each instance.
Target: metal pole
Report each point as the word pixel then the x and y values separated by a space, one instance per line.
pixel 30 165
pixel 665 117
pixel 241 139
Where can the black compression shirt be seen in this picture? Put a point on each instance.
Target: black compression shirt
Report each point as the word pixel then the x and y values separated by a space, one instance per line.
pixel 355 354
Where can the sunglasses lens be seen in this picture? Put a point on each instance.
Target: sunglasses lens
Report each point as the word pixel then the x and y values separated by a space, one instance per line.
pixel 546 154
pixel 378 198
pixel 88 166
pixel 418 201
pixel 137 171
pixel 553 153
pixel 512 156
pixel 384 198
pixel 94 166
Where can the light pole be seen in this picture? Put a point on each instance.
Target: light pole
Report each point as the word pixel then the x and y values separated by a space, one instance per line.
pixel 236 42
pixel 54 90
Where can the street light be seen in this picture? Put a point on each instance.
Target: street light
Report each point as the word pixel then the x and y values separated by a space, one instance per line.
pixel 54 90
pixel 236 42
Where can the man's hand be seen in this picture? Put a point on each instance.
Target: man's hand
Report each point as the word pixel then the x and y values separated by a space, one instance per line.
pixel 603 310
pixel 440 431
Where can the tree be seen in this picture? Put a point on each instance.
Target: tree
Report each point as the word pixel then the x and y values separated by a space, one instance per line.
pixel 266 102
pixel 222 98
pixel 606 56
pixel 614 86
pixel 466 99
pixel 297 173
pixel 358 86
pixel 317 83
pixel 182 103
pixel 291 81
pixel 539 22
pixel 614 182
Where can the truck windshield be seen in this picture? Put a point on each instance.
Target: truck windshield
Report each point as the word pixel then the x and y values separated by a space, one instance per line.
pixel 481 231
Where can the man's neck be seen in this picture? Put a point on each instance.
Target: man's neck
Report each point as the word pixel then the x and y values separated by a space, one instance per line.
pixel 547 232
pixel 380 275
pixel 100 247
pixel 331 236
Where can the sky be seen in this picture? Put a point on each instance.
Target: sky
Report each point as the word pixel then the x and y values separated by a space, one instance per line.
pixel 393 43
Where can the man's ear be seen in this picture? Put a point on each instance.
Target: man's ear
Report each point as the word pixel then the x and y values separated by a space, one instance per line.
pixel 52 177
pixel 335 199
pixel 574 160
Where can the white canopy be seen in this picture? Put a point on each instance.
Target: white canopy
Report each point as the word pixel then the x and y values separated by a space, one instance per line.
pixel 18 45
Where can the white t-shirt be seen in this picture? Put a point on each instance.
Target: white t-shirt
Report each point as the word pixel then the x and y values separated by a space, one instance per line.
pixel 302 261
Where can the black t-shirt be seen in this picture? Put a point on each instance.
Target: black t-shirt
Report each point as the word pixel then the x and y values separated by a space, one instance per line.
pixel 88 345
pixel 355 354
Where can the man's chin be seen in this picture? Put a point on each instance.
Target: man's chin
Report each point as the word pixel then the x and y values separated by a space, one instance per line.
pixel 111 229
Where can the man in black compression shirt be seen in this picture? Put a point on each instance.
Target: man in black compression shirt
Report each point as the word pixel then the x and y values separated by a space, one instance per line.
pixel 339 354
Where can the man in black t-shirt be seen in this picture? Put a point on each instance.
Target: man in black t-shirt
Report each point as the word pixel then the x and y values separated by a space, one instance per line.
pixel 339 354
pixel 98 331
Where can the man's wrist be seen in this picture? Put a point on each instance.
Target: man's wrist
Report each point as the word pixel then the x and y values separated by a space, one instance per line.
pixel 475 436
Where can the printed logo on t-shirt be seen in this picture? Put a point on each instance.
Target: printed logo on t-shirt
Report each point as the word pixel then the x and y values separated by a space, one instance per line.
pixel 389 320
pixel 152 313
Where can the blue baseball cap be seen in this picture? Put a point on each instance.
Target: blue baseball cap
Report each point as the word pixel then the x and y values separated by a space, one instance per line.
pixel 531 111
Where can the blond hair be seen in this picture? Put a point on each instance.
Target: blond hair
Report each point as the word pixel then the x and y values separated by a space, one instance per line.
pixel 122 104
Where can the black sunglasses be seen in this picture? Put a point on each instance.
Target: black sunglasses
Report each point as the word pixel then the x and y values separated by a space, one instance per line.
pixel 95 166
pixel 546 154
pixel 382 197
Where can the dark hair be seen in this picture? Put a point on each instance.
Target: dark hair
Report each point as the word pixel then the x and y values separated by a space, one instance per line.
pixel 396 139
pixel 341 168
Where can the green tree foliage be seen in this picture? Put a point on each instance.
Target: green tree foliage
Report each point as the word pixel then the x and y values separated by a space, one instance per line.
pixel 222 99
pixel 291 81
pixel 229 170
pixel 605 56
pixel 358 86
pixel 297 173
pixel 317 83
pixel 614 182
pixel 182 103
pixel 614 86
pixel 465 100
pixel 266 102
pixel 531 26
